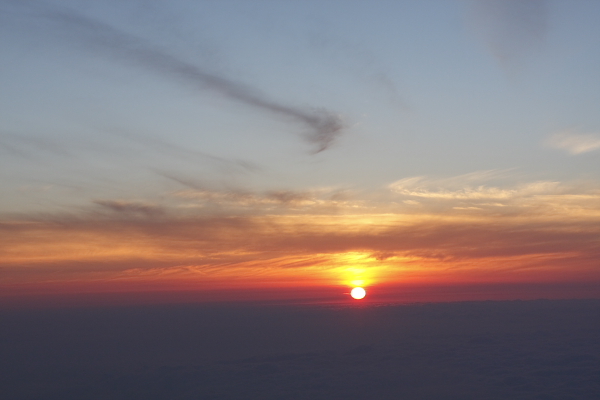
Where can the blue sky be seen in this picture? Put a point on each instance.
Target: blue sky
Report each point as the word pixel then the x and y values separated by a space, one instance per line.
pixel 436 89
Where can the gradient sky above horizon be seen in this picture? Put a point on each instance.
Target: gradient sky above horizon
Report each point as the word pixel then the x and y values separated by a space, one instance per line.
pixel 276 141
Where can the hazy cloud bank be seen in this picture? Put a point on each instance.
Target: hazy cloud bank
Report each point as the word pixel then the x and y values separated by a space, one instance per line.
pixel 268 248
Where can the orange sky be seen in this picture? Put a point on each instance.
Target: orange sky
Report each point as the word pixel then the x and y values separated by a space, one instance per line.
pixel 308 254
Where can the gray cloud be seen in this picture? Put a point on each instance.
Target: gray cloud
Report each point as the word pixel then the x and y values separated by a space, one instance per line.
pixel 325 126
pixel 131 207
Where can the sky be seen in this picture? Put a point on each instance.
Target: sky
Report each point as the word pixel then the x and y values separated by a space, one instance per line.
pixel 240 150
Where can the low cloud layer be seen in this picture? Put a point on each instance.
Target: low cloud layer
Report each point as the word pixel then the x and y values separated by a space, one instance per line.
pixel 528 233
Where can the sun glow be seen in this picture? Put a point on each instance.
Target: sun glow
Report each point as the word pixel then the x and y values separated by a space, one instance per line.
pixel 358 293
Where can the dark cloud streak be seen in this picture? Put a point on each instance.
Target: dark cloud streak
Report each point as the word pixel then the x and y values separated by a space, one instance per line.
pixel 325 126
pixel 131 207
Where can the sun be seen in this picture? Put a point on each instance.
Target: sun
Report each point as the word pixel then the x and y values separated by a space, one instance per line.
pixel 358 293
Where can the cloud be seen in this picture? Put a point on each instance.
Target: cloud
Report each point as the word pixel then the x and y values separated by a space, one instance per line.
pixel 232 200
pixel 325 126
pixel 472 186
pixel 213 197
pixel 496 195
pixel 131 207
pixel 227 249
pixel 574 143
pixel 544 230
pixel 421 187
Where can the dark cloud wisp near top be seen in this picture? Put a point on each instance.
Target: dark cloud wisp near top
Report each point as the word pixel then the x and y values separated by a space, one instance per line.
pixel 324 125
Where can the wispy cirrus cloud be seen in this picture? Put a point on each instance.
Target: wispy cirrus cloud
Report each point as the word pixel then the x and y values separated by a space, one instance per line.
pixel 574 143
pixel 268 201
pixel 131 207
pixel 199 194
pixel 492 195
pixel 472 186
pixel 325 126
pixel 422 187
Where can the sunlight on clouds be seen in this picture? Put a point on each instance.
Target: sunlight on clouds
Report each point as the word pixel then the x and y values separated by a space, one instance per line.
pixel 474 227
pixel 273 200
pixel 574 143
pixel 418 187
pixel 355 268
pixel 463 187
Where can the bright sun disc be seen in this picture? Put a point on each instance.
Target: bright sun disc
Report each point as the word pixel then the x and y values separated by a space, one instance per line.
pixel 358 293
